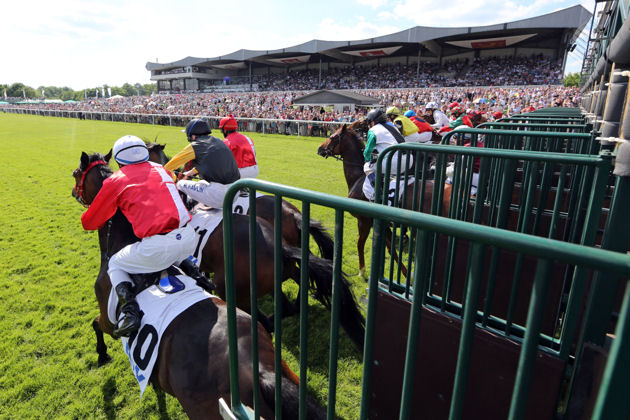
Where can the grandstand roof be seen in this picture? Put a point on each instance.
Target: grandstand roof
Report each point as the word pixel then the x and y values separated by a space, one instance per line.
pixel 553 30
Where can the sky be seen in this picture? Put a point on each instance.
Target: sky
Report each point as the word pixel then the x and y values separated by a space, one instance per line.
pixel 88 43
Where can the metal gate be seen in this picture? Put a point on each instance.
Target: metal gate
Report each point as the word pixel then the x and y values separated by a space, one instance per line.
pixel 605 266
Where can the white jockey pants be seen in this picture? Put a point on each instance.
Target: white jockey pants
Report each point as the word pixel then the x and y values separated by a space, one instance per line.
pixel 249 172
pixel 209 193
pixel 151 254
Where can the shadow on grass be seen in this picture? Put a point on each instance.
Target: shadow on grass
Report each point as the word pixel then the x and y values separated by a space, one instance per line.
pixel 109 390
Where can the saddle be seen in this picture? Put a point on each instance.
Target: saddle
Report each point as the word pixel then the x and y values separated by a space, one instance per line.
pixel 145 280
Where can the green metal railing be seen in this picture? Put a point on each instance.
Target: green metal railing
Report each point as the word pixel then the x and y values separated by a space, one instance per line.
pixel 550 141
pixel 545 251
pixel 553 195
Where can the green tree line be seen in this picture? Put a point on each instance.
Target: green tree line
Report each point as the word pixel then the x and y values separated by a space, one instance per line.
pixel 20 90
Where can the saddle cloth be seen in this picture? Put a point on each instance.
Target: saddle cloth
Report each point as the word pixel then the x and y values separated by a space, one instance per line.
pixel 368 189
pixel 159 304
pixel 206 219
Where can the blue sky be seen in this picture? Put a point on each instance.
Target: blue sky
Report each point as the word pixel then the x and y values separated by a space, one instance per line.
pixel 80 44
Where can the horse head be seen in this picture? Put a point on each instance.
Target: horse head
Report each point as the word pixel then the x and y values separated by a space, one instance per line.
pixel 156 153
pixel 88 182
pixel 341 143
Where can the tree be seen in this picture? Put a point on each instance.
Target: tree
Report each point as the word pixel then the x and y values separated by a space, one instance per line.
pixel 572 79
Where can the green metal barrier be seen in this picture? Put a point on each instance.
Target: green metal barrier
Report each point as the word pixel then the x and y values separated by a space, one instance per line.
pixel 549 141
pixel 537 126
pixel 553 195
pixel 483 239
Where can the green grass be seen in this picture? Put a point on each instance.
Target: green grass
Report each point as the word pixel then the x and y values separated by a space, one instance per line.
pixel 48 265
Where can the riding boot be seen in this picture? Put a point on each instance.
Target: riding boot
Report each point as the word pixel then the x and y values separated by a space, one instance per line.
pixel 191 270
pixel 129 309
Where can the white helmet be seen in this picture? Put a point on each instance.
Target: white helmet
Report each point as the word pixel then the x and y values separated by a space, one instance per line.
pixel 129 150
pixel 432 105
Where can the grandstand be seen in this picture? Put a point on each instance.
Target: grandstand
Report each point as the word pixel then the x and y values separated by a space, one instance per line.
pixel 425 56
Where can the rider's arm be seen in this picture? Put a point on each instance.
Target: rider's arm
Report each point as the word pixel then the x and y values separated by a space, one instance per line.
pixel 180 159
pixel 369 146
pixel 102 208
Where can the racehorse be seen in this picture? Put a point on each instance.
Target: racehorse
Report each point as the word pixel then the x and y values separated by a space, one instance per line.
pixel 291 216
pixel 320 273
pixel 346 144
pixel 192 363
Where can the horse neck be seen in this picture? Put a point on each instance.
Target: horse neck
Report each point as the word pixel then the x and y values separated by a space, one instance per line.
pixel 352 160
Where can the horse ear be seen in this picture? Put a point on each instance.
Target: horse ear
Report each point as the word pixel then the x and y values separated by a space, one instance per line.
pixel 162 146
pixel 85 160
pixel 108 156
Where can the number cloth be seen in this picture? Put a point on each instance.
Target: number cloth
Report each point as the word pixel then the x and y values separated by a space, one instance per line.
pixel 159 309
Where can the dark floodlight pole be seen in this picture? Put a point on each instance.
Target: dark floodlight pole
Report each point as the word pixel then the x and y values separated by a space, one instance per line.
pixel 319 81
pixel 418 66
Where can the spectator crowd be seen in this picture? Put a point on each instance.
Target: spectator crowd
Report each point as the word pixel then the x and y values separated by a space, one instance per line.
pixel 508 85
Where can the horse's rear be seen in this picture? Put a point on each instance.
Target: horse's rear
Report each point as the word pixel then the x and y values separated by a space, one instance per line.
pixel 193 364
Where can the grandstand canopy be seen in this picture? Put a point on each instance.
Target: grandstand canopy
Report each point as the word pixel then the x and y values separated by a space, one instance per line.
pixel 551 34
pixel 335 97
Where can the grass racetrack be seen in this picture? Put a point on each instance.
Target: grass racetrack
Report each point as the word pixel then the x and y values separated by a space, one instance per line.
pixel 48 265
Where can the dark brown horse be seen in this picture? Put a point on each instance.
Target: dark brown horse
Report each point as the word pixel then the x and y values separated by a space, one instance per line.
pixel 320 274
pixel 291 216
pixel 192 362
pixel 346 144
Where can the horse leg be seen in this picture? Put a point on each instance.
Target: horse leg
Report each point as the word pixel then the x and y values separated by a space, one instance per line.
pixel 364 225
pixel 393 253
pixel 101 347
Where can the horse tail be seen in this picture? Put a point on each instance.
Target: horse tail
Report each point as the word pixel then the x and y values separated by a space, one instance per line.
pixel 320 274
pixel 290 397
pixel 322 238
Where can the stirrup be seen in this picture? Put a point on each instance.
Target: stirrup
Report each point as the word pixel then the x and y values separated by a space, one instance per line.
pixel 127 325
pixel 190 269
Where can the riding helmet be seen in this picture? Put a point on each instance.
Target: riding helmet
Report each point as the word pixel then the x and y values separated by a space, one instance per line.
pixel 393 110
pixel 228 123
pixel 129 150
pixel 198 127
pixel 376 115
pixel 410 113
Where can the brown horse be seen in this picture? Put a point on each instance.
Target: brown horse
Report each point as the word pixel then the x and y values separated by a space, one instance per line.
pixel 192 362
pixel 320 274
pixel 346 144
pixel 291 216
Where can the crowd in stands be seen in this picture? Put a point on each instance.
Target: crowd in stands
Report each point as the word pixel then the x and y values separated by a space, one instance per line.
pixel 278 104
pixel 489 71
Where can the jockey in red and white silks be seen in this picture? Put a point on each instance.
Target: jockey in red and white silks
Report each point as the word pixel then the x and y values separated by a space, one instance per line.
pixel 146 194
pixel 242 147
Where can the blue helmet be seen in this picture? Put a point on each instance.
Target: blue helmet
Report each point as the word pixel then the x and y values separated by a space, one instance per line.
pixel 410 113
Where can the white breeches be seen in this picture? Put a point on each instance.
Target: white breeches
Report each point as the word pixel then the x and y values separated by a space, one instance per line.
pixel 151 254
pixel 249 172
pixel 425 137
pixel 209 193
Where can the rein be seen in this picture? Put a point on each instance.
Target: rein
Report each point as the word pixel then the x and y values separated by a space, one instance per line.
pixel 80 191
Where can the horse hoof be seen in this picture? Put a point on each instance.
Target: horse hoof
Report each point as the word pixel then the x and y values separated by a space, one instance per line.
pixel 103 360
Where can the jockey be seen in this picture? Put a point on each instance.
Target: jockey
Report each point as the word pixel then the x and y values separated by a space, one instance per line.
pixel 424 128
pixel 382 134
pixel 456 112
pixel 146 195
pixel 241 146
pixel 408 129
pixel 212 159
pixel 441 120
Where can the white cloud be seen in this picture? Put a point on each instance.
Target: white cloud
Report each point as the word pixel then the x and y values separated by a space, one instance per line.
pixel 374 4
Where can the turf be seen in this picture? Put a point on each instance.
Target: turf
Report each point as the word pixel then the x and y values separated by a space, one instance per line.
pixel 48 265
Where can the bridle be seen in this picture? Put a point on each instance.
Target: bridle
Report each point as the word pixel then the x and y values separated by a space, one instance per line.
pixel 334 141
pixel 79 190
pixel 328 151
